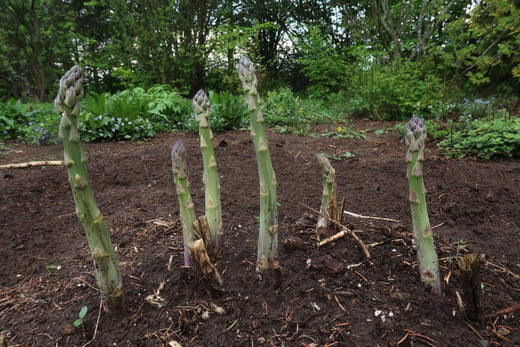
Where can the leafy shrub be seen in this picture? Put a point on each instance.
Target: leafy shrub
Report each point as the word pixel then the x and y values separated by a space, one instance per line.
pixel 114 128
pixel 227 111
pixel 326 68
pixel 478 108
pixel 167 108
pixel 132 113
pixel 388 91
pixel 292 115
pixel 37 124
pixel 281 107
pixel 438 109
pixel 43 130
pixel 485 138
pixel 11 117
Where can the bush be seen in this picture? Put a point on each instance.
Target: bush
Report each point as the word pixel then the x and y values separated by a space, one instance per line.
pixel 394 91
pixel 36 124
pixel 281 107
pixel 227 111
pixel 132 114
pixel 292 115
pixel 11 118
pixel 485 138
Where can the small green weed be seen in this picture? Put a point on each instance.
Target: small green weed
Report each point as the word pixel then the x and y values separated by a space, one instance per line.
pixel 81 315
pixel 343 133
pixel 297 130
pixel 339 156
pixel 50 268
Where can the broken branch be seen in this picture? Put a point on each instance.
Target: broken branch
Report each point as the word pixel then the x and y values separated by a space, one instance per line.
pixel 344 231
pixel 31 164
pixel 370 217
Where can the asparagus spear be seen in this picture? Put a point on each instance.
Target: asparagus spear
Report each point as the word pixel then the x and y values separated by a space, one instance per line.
pixel 329 192
pixel 211 181
pixel 187 211
pixel 105 261
pixel 268 233
pixel 422 232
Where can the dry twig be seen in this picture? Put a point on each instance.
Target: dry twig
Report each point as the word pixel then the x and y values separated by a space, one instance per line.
pixel 352 214
pixel 31 164
pixel 508 310
pixel 344 231
pixel 412 333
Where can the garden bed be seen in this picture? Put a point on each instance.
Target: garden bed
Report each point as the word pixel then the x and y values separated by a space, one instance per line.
pixel 329 296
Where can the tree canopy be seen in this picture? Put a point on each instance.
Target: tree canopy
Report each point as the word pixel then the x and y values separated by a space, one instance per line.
pixel 430 48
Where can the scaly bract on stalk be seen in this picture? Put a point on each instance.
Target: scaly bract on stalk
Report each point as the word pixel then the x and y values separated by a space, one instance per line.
pixel 182 187
pixel 211 181
pixel 106 263
pixel 422 231
pixel 268 233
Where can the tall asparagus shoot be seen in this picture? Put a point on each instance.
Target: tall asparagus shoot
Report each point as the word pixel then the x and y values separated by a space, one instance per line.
pixel 211 181
pixel 182 186
pixel 268 233
pixel 329 193
pixel 105 261
pixel 422 231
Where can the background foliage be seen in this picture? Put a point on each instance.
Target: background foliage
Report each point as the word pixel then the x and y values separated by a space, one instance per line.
pixel 428 49
pixel 317 61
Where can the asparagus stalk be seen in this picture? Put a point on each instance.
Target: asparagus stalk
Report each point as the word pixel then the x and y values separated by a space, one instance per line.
pixel 187 211
pixel 422 232
pixel 329 193
pixel 268 233
pixel 211 181
pixel 105 261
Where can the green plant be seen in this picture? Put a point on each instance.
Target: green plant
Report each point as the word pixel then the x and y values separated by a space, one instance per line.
pixel 81 315
pixel 135 114
pixel 422 231
pixel 11 119
pixel 106 263
pixel 281 107
pixel 227 111
pixel 182 186
pixel 4 150
pixel 167 108
pixel 201 106
pixel 381 131
pixel 34 123
pixel 297 130
pixel 485 138
pixel 343 133
pixel 268 233
pixel 339 156
pixel 478 108
pixel 51 268
pixel 122 116
pixel 325 66
pixel 388 91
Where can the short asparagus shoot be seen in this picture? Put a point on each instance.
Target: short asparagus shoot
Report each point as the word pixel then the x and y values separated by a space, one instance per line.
pixel 268 233
pixel 422 232
pixel 329 193
pixel 182 187
pixel 211 182
pixel 105 261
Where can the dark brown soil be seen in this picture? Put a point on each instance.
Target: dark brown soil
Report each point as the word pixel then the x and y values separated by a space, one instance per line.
pixel 46 273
